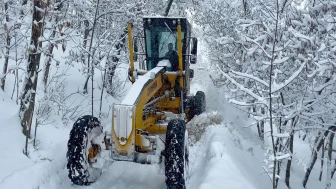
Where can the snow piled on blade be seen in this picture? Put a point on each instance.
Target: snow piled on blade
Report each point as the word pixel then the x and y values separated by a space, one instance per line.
pixel 222 159
pixel 198 124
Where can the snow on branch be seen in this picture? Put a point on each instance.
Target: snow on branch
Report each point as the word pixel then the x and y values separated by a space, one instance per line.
pixel 239 103
pixel 251 40
pixel 260 99
pixel 316 122
pixel 251 77
pixel 224 40
pixel 278 87
pixel 322 48
pixel 299 35
pixel 11 68
pixel 277 61
pixel 320 88
pixel 314 114
pixel 117 11
pixel 285 156
pixel 281 135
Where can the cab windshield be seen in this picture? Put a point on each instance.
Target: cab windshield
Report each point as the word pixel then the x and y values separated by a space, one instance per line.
pixel 157 42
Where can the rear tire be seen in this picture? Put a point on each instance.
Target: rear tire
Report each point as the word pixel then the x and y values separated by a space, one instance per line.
pixel 83 131
pixel 196 104
pixel 199 103
pixel 176 155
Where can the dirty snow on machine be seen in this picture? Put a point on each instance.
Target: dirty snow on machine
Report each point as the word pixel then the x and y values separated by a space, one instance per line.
pixel 83 131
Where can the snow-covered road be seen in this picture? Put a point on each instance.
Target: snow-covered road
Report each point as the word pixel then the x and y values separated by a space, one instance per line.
pixel 223 158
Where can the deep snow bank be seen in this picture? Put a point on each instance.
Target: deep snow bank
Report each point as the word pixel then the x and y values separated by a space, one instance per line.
pixel 224 159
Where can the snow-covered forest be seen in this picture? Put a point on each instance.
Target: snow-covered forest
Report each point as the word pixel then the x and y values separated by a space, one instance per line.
pixel 266 66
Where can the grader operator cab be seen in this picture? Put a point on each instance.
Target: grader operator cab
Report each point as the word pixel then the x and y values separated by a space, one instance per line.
pixel 149 126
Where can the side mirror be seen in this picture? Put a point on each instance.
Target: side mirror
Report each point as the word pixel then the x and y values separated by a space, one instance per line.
pixel 194 46
pixel 191 73
pixel 193 57
pixel 135 48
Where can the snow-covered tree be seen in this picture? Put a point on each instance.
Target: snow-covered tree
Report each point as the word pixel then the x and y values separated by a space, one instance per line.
pixel 13 37
pixel 276 55
pixel 7 40
pixel 29 88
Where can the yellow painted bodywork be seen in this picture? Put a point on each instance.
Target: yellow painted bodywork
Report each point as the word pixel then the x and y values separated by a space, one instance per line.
pixel 179 52
pixel 156 88
pixel 130 44
pixel 128 148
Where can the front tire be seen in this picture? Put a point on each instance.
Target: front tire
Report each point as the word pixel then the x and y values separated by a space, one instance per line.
pixel 83 131
pixel 176 155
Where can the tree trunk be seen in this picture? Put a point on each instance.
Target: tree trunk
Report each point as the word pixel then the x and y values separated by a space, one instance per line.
pixel 86 32
pixel 258 123
pixel 262 125
pixel 279 149
pixel 322 161
pixel 26 145
pixel 112 65
pixel 5 66
pixel 289 162
pixel 48 62
pixel 278 173
pixel 89 55
pixel 24 2
pixel 16 83
pixel 313 159
pixel 51 47
pixel 36 125
pixel 290 143
pixel 329 171
pixel 169 3
pixel 29 88
pixel 246 8
pixel 333 170
pixel 86 35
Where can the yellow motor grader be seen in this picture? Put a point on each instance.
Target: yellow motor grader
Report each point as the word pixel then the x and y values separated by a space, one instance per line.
pixel 149 125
